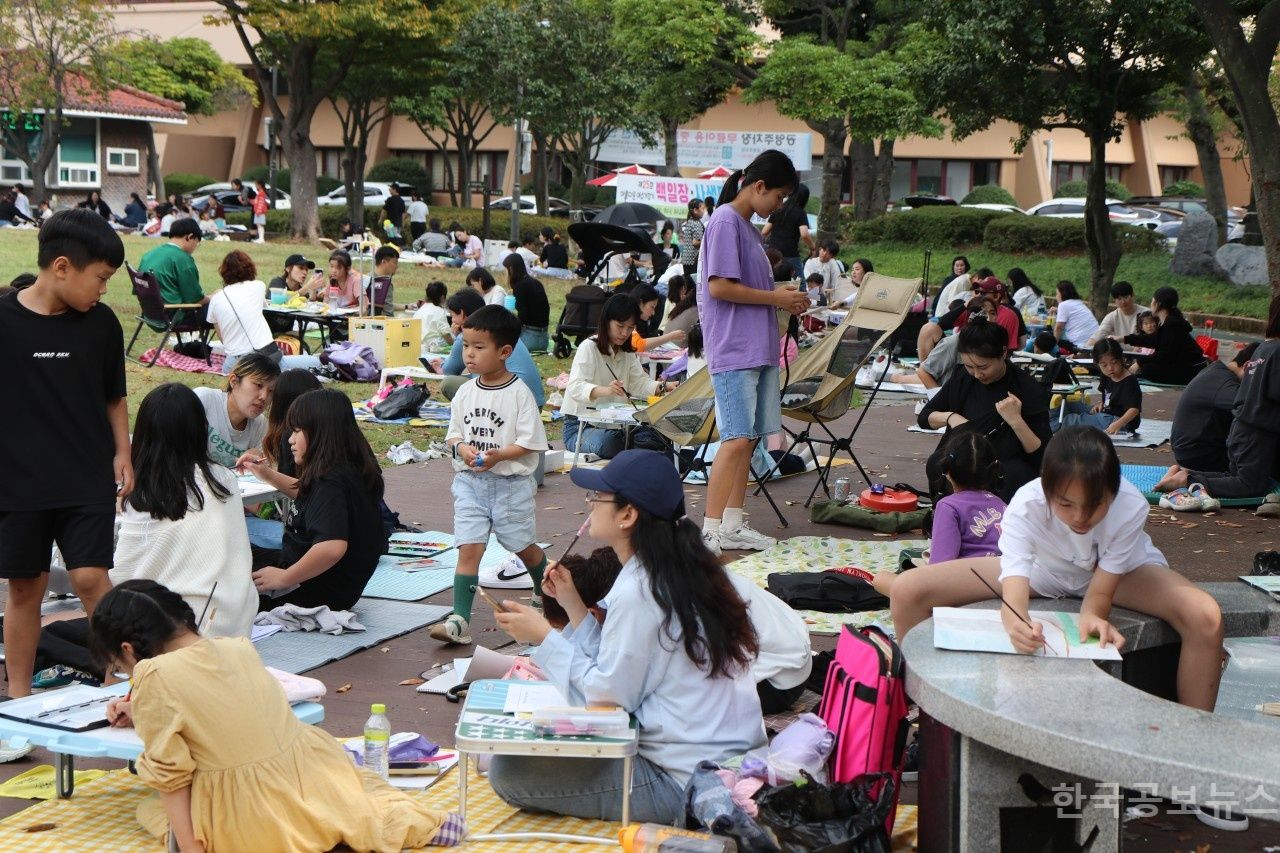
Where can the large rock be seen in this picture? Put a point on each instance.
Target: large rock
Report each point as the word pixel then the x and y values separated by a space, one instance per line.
pixel 1243 264
pixel 1197 242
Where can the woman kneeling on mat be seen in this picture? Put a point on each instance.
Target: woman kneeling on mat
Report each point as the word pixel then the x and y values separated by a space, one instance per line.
pixel 675 651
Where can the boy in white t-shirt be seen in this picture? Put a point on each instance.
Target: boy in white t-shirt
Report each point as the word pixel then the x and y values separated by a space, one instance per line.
pixel 825 264
pixel 496 434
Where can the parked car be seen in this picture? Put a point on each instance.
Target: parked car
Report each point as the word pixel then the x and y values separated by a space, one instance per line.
pixel 1186 205
pixel 230 199
pixel 529 204
pixel 376 194
pixel 1073 208
pixel 1004 208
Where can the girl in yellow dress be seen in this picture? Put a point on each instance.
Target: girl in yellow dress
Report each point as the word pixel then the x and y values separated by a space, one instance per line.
pixel 234 768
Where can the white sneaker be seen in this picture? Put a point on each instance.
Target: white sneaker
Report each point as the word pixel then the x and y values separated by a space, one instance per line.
pixel 711 538
pixel 454 630
pixel 1223 818
pixel 511 573
pixel 744 538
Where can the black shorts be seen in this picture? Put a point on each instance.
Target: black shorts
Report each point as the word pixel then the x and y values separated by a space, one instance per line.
pixel 84 534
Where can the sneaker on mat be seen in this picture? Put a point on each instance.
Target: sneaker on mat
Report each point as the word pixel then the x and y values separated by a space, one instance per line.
pixel 1208 503
pixel 911 762
pixel 511 573
pixel 454 629
pixel 711 538
pixel 744 538
pixel 1194 498
pixel 1223 818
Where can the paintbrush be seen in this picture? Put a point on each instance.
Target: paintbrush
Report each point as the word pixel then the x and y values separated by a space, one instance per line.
pixel 576 537
pixel 997 594
pixel 207 602
pixel 630 400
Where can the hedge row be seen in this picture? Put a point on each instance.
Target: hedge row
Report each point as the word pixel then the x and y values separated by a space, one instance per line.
pixel 998 231
pixel 1015 234
pixel 932 226
pixel 280 221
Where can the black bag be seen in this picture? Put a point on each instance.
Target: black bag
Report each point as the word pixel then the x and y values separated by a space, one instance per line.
pixel 842 818
pixel 66 642
pixel 829 592
pixel 272 351
pixel 403 402
pixel 1266 563
pixel 193 349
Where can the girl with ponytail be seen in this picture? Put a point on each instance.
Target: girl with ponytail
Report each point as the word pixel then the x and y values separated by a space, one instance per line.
pixel 737 304
pixel 675 651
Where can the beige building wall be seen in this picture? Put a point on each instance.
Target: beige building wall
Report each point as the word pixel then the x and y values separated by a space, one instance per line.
pixel 226 144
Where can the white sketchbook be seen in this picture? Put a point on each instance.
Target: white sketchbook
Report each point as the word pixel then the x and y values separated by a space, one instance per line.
pixel 968 630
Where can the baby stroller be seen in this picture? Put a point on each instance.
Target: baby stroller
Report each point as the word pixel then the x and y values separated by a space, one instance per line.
pixel 583 306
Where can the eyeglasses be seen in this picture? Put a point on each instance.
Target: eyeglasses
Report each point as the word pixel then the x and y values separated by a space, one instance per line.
pixel 593 497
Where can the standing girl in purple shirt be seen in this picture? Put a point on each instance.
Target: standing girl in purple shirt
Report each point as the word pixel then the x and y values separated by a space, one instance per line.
pixel 966 523
pixel 737 302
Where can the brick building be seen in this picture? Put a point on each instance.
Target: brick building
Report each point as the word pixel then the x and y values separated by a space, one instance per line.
pixel 103 146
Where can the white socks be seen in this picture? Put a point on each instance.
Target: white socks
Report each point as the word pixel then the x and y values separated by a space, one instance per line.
pixel 732 517
pixel 710 525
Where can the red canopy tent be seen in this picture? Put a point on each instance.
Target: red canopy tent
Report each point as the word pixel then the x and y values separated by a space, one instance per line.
pixel 611 178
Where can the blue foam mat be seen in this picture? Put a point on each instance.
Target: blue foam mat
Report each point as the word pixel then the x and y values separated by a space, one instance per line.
pixel 300 651
pixel 1145 478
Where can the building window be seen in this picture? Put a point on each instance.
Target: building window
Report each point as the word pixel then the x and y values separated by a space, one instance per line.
pixel 1172 174
pixel 14 171
pixel 953 178
pixel 329 162
pixel 490 165
pixel 1063 172
pixel 122 161
pixel 78 155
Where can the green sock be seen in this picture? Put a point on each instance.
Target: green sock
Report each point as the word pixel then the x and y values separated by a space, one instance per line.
pixel 463 594
pixel 535 573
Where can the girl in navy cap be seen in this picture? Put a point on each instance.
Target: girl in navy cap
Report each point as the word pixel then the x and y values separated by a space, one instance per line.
pixel 675 651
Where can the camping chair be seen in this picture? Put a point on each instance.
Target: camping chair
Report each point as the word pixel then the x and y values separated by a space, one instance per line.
pixel 379 287
pixel 167 318
pixel 820 382
pixel 687 417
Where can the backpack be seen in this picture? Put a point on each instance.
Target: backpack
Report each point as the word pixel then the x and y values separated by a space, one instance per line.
pixel 354 362
pixel 864 702
pixel 832 591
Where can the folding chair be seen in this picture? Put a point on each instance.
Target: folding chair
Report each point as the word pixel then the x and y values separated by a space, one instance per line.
pixel 824 389
pixel 169 319
pixel 687 417
pixel 379 288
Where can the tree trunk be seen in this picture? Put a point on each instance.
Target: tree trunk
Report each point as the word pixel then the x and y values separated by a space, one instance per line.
pixel 301 153
pixel 50 136
pixel 834 135
pixel 869 198
pixel 541 163
pixel 464 171
pixel 882 177
pixel 153 163
pixel 671 129
pixel 355 200
pixel 1104 254
pixel 1200 129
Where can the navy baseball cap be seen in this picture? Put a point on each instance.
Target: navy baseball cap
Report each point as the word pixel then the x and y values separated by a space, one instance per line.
pixel 645 478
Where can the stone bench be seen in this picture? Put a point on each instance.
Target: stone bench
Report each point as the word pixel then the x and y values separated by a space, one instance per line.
pixel 991 719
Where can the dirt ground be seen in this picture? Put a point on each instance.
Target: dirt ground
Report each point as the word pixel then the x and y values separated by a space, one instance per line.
pixel 1204 548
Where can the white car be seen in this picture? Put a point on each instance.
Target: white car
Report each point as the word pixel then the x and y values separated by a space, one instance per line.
pixel 1073 208
pixel 376 194
pixel 529 204
pixel 1003 208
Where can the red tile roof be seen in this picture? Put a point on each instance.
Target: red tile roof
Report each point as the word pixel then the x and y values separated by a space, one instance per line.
pixel 122 100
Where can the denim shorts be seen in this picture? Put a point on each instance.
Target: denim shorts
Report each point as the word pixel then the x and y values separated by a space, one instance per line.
pixel 484 503
pixel 748 402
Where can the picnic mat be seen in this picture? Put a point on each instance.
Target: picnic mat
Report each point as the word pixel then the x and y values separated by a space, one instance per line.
pixel 816 553
pixel 1152 433
pixel 1146 476
pixel 100 817
pixel 299 651
pixel 185 363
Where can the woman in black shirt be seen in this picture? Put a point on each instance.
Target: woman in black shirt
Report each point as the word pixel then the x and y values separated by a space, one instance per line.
pixel 1177 357
pixel 787 227
pixel 531 303
pixel 554 254
pixel 991 395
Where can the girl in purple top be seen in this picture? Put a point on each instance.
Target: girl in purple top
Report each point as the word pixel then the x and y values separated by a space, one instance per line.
pixel 737 302
pixel 966 523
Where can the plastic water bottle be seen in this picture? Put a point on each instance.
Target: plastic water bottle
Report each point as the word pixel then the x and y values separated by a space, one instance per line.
pixel 335 297
pixel 509 302
pixel 377 740
pixel 653 838
pixel 1042 316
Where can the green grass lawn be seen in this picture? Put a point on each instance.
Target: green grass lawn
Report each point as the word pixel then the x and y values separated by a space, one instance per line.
pixel 1145 271
pixel 18 254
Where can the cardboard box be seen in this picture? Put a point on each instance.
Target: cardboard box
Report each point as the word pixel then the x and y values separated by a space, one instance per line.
pixel 395 342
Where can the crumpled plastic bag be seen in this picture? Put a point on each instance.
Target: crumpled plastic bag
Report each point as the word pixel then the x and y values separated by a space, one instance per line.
pixel 803 746
pixel 709 803
pixel 403 402
pixel 402 454
pixel 809 817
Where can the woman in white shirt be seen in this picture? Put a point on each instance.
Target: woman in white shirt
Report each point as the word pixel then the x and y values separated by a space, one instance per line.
pixel 606 368
pixel 481 281
pixel 436 328
pixel 236 310
pixel 183 525
pixel 675 651
pixel 1075 322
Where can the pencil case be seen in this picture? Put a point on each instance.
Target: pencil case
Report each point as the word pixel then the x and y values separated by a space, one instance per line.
pixel 565 722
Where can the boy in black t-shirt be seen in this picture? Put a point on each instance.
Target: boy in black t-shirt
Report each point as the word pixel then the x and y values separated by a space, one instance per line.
pixel 65 392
